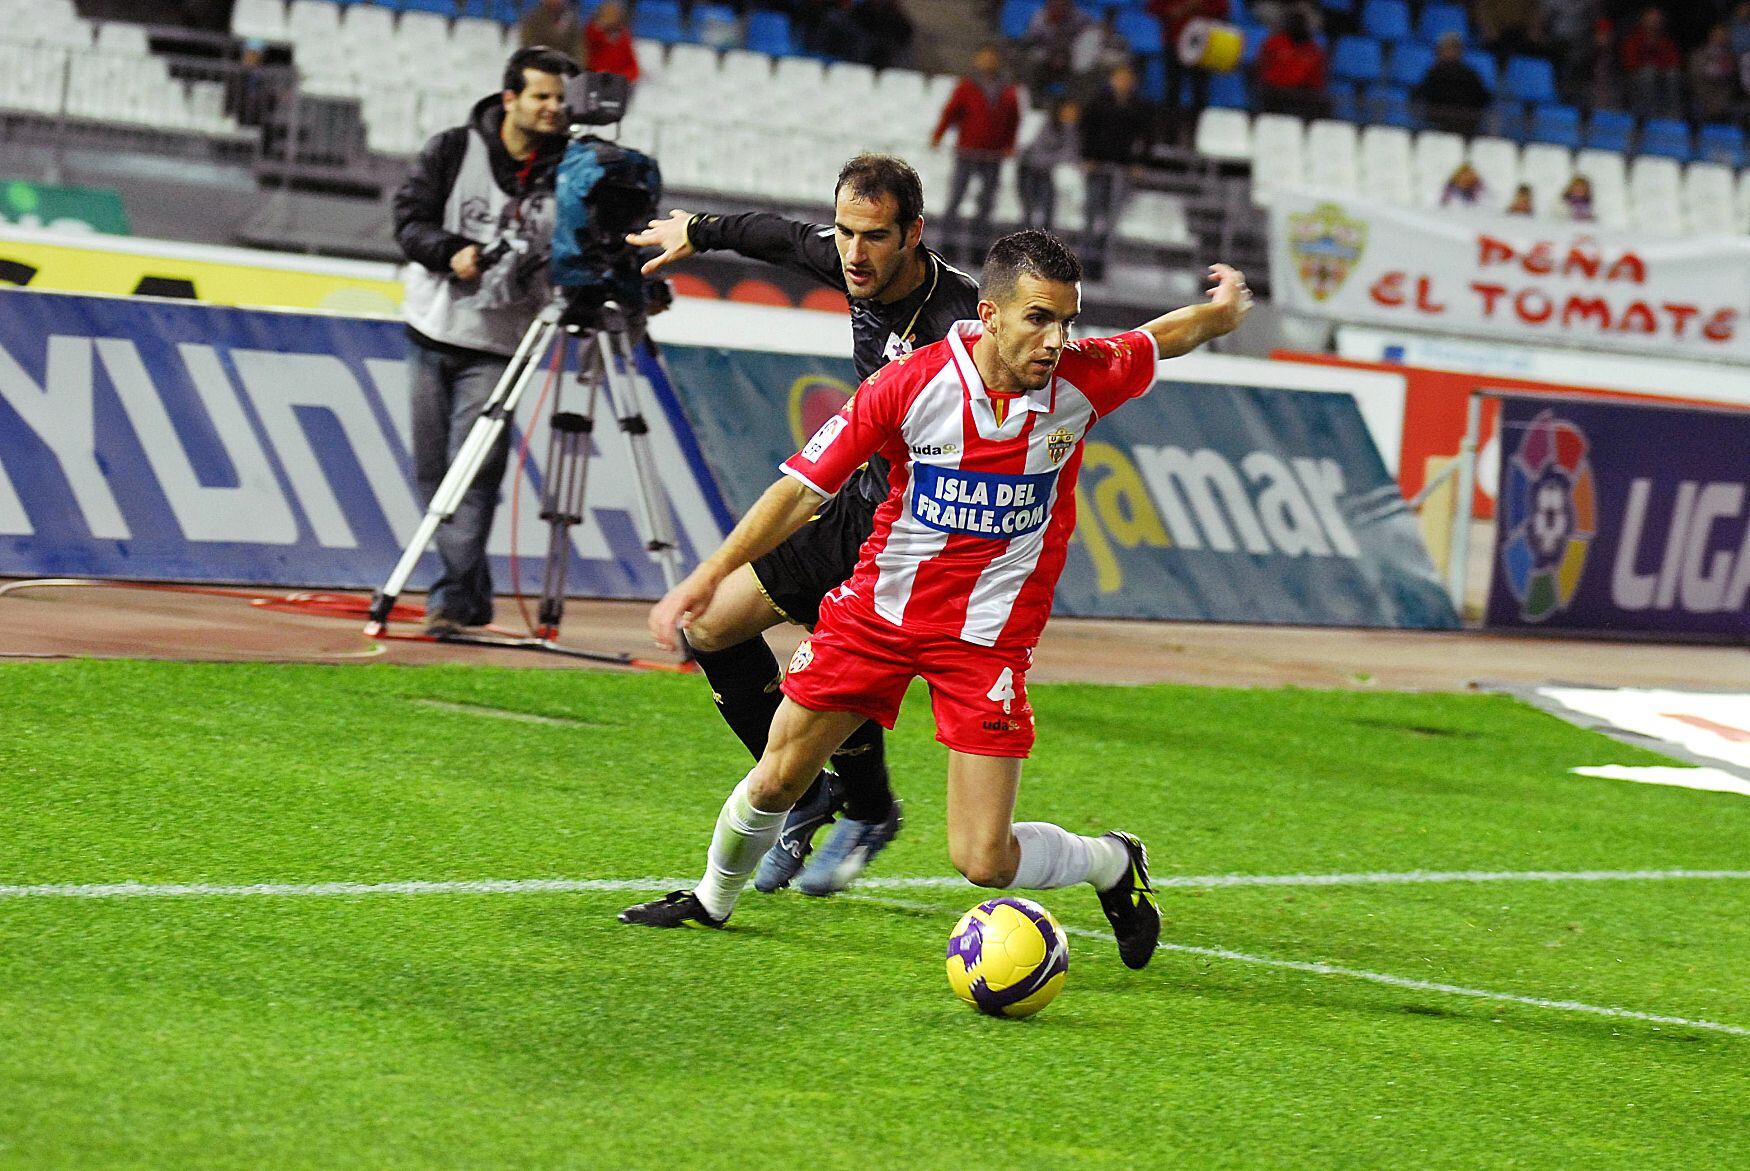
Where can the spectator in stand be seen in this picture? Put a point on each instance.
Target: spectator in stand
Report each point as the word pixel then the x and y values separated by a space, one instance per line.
pixel 1464 187
pixel 1713 78
pixel 1174 15
pixel 1522 201
pixel 1290 72
pixel 1577 198
pixel 1506 27
pixel 252 92
pixel 828 28
pixel 553 23
pixel 1058 144
pixel 1565 28
pixel 985 109
pixel 1049 45
pixel 1452 94
pixel 887 31
pixel 1650 62
pixel 1098 51
pixel 607 42
pixel 1116 129
pixel 1740 24
pixel 1598 79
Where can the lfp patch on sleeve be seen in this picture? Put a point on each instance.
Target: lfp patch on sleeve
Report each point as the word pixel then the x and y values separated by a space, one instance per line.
pixel 980 504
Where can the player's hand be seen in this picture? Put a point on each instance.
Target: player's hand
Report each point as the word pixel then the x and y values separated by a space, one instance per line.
pixel 679 607
pixel 1230 292
pixel 670 235
pixel 466 263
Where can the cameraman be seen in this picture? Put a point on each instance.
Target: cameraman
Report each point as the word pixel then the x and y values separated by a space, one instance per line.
pixel 475 218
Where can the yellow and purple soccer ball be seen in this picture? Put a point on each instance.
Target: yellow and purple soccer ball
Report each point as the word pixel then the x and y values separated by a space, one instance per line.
pixel 1008 957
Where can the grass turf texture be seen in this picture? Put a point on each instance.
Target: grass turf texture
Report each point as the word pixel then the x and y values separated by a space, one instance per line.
pixel 531 1030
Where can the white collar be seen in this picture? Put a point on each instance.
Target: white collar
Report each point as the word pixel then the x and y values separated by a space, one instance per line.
pixel 961 338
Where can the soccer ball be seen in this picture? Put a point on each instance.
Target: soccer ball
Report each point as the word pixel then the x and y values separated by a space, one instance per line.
pixel 1007 957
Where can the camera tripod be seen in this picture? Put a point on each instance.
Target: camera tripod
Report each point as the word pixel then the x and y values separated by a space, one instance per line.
pixel 606 366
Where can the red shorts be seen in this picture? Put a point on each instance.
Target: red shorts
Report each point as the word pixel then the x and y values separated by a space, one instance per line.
pixel 859 662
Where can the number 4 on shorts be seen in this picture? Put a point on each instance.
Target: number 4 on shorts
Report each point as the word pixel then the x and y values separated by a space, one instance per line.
pixel 1004 691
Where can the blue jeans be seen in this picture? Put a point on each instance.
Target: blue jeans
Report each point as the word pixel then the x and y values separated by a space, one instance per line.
pixel 449 390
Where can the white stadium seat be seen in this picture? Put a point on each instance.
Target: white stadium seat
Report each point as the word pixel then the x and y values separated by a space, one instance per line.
pixel 259 18
pixel 1278 149
pixel 1223 133
pixel 1710 199
pixel 1655 192
pixel 1436 156
pixel 122 40
pixel 1548 168
pixel 1387 170
pixel 1330 162
pixel 1497 161
pixel 1607 171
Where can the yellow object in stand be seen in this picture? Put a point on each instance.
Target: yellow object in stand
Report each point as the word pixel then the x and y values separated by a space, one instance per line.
pixel 1212 45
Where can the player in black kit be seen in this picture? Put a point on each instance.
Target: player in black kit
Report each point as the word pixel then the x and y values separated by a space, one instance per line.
pixel 902 295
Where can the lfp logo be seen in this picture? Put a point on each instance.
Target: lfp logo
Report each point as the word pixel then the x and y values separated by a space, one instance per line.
pixel 1549 516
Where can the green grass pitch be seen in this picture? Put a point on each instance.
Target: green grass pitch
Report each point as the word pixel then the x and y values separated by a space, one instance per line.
pixel 531 1030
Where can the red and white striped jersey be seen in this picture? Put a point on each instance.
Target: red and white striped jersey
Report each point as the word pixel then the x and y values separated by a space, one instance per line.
pixel 975 528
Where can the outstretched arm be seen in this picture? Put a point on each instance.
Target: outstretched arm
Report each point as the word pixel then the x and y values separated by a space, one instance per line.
pixel 1183 330
pixel 781 510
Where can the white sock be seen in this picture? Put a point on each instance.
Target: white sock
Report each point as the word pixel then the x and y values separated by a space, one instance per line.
pixel 741 839
pixel 1052 857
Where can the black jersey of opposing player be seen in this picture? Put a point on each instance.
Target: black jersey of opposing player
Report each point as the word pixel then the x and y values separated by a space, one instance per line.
pixel 879 333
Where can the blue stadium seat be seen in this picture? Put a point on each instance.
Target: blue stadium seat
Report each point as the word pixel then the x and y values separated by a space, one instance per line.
pixel 1387 20
pixel 1254 35
pixel 1345 103
pixel 1609 130
pixel 441 7
pixel 1720 143
pixel 1388 105
pixel 1484 64
pixel 769 32
pixel 1667 138
pixel 1141 30
pixel 1016 15
pixel 1440 19
pixel 1359 59
pixel 715 25
pixel 659 20
pixel 1229 90
pixel 1507 119
pixel 1410 61
pixel 1556 124
pixel 1530 79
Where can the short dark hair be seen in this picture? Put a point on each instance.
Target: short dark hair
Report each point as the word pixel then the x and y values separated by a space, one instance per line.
pixel 1029 253
pixel 539 58
pixel 870 176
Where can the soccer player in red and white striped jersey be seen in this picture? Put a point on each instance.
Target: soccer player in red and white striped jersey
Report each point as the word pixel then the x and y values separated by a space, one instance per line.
pixel 984 433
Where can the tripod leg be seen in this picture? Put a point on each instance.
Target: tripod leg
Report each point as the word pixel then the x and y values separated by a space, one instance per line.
pixel 472 454
pixel 567 478
pixel 618 363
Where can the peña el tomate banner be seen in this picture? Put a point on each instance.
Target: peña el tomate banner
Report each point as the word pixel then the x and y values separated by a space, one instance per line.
pixel 1513 277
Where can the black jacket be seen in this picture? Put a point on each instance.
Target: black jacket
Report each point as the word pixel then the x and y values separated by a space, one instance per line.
pixel 419 204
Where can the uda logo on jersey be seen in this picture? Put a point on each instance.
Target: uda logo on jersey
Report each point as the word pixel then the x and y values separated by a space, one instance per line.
pixel 1327 245
pixel 1058 444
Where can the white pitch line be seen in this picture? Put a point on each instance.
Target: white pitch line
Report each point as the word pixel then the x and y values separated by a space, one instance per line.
pixel 1385 978
pixel 123 890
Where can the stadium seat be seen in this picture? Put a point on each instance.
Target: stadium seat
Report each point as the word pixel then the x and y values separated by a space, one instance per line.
pixel 1224 133
pixel 1384 159
pixel 1331 162
pixel 1437 155
pixel 123 40
pixel 1607 171
pixel 1439 19
pixel 1278 149
pixel 715 25
pixel 259 18
pixel 1668 138
pixel 1142 30
pixel 1507 119
pixel 1709 199
pixel 1229 89
pixel 1345 101
pixel 444 8
pixel 1358 59
pixel 1497 161
pixel 1484 63
pixel 1016 15
pixel 1547 167
pixel 1386 20
pixel 1655 193
pixel 741 67
pixel 1719 143
pixel 1609 130
pixel 1410 62
pixel 659 20
pixel 1555 124
pixel 1254 37
pixel 1742 202
pixel 1530 79
pixel 769 32
pixel 1388 105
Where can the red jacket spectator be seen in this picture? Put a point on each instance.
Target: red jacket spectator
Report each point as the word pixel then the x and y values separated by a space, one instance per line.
pixel 1649 48
pixel 608 42
pixel 1174 15
pixel 1286 64
pixel 986 123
